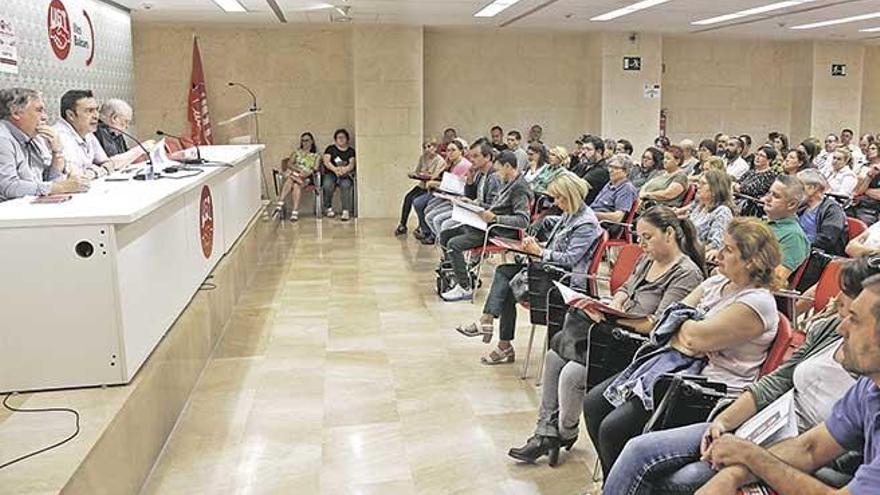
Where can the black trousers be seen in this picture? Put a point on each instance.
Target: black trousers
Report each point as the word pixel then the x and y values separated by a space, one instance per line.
pixel 609 427
pixel 413 193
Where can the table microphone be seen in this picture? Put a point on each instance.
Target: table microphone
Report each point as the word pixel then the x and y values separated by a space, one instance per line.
pixel 147 173
pixel 189 161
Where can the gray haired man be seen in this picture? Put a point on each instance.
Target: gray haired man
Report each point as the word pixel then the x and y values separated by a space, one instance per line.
pixel 31 156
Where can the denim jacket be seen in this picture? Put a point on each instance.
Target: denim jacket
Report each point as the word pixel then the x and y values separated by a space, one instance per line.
pixel 572 242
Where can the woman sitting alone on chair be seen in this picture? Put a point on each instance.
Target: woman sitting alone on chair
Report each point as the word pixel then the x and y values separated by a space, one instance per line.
pixel 572 237
pixel 670 268
pixel 735 334
pixel 297 172
pixel 813 372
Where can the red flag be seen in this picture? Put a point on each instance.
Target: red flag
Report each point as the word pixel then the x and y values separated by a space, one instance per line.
pixel 197 109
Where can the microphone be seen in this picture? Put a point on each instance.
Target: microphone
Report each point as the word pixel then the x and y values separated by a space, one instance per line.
pixel 147 173
pixel 189 161
pixel 253 96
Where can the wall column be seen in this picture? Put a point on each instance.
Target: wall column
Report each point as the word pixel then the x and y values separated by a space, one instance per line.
pixel 837 101
pixel 626 112
pixel 389 102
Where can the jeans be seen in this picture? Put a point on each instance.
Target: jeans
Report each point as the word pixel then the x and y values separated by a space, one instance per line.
pixel 500 302
pixel 435 216
pixel 611 428
pixel 562 393
pixel 413 193
pixel 420 204
pixel 329 181
pixel 666 462
pixel 455 242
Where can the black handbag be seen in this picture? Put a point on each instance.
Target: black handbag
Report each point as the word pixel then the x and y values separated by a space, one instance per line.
pixel 610 350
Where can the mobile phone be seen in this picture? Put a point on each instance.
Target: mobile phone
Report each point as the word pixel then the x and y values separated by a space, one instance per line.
pixel 52 198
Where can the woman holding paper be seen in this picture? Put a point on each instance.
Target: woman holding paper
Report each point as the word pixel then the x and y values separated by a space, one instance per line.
pixel 431 165
pixel 569 245
pixel 671 267
pixel 813 373
pixel 298 170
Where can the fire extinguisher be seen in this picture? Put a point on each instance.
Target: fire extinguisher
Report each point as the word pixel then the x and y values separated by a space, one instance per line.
pixel 663 121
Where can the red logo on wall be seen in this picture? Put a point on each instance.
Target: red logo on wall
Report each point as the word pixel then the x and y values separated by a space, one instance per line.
pixel 58 23
pixel 206 222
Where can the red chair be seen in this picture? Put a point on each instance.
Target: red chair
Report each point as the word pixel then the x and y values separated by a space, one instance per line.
pixel 314 187
pixel 626 227
pixel 689 195
pixel 780 347
pixel 795 278
pixel 624 266
pixel 854 228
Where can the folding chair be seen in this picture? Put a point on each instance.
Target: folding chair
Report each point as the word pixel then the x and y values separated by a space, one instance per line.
pixel 689 195
pixel 854 228
pixel 314 187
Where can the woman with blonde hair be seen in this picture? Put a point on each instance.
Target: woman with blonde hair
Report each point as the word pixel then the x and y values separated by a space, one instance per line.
pixel 558 163
pixel 569 245
pixel 731 341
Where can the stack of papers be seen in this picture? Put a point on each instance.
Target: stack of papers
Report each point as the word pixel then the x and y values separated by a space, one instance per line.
pixel 452 184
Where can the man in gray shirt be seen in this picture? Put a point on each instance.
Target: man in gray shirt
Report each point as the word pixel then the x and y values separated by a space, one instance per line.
pixel 31 158
pixel 522 158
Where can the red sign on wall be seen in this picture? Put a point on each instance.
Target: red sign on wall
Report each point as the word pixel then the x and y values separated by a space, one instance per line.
pixel 58 23
pixel 71 31
pixel 206 222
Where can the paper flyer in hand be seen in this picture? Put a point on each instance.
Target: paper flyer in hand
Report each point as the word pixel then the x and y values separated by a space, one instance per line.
pixel 452 184
pixel 467 217
pixel 510 245
pixel 570 297
pixel 774 423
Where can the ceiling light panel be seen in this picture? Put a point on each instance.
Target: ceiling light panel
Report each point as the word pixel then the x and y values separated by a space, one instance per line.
pixel 495 8
pixel 870 30
pixel 230 5
pixel 614 14
pixel 834 22
pixel 749 12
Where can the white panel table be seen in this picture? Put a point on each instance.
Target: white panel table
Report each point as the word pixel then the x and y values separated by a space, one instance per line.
pixel 88 287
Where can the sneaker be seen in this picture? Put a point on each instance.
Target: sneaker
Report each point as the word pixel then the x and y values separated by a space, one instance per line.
pixel 344 217
pixel 294 216
pixel 457 293
pixel 330 213
pixel 400 230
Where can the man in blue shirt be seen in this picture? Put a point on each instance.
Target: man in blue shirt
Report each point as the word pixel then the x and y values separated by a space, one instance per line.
pixel 615 200
pixel 852 425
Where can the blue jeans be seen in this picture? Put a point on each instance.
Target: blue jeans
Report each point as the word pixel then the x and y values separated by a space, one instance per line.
pixel 420 204
pixel 661 462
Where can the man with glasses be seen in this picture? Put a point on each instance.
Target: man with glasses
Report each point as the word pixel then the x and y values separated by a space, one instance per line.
pixel 114 118
pixel 824 159
pixel 31 156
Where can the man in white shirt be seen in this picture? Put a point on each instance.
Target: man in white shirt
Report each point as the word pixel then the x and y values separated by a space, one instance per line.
pixel 690 158
pixel 823 159
pixel 83 152
pixel 736 165
pixel 846 141
pixel 859 165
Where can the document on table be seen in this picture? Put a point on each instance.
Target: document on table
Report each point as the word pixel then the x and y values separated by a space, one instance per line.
pixel 452 184
pixel 774 423
pixel 465 216
pixel 570 297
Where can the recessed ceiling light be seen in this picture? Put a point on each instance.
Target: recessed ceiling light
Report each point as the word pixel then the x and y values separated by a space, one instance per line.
pixel 495 8
pixel 834 22
pixel 614 14
pixel 870 30
pixel 753 11
pixel 230 5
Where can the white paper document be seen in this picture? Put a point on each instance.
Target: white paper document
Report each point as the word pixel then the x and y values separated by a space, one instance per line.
pixel 452 183
pixel 464 216
pixel 774 423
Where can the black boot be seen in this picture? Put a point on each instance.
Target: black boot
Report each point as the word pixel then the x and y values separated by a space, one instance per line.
pixel 535 448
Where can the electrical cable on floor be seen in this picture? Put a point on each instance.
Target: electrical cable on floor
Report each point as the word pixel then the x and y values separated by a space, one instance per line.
pixel 40 410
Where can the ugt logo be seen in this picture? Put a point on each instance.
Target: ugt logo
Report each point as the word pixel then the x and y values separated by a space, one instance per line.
pixel 58 23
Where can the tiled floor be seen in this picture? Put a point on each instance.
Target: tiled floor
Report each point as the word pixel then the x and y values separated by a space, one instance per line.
pixel 340 373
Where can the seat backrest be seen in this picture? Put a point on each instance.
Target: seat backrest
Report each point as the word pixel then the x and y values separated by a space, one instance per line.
pixel 593 267
pixel 631 214
pixel 795 278
pixel 828 285
pixel 624 265
pixel 854 228
pixel 778 349
pixel 689 194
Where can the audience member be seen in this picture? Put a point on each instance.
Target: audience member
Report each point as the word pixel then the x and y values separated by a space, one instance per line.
pixel 747 154
pixel 558 164
pixel 842 180
pixel 431 165
pixel 592 166
pixel 814 373
pixel 721 140
pixel 572 238
pixel 31 154
pixel 610 148
pixel 735 164
pixel 449 135
pixel 668 187
pixel 510 209
pixel 821 218
pixel 298 170
pixel 538 159
pixel 650 167
pixel 497 136
pixel 859 165
pixel 868 205
pixel 616 199
pixel 536 133
pixel 114 117
pixel 779 141
pixel 624 147
pixel 846 141
pixel 823 160
pixel 781 205
pixel 522 158
pixel 339 167
pixel 712 212
pixel 662 143
pixel 671 267
pixel 850 425
pixel 811 148
pixel 738 327
pixel 690 162
pixel 704 153
pixel 795 161
pixel 430 208
pixel 756 182
pixel 865 244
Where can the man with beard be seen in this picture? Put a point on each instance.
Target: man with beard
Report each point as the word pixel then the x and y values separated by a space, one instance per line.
pixel 592 166
pixel 736 165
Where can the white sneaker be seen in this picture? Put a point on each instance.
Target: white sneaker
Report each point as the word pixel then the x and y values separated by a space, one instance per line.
pixel 330 213
pixel 457 293
pixel 345 216
pixel 294 216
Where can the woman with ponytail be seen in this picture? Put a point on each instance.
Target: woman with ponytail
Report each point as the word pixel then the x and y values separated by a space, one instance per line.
pixel 671 267
pixel 738 325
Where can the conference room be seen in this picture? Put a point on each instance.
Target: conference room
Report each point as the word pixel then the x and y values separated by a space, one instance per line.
pixel 439 246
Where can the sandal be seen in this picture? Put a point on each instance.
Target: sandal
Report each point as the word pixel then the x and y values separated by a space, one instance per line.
pixel 499 356
pixel 475 330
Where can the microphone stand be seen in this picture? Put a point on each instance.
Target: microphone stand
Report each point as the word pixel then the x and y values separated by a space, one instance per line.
pixel 255 110
pixel 149 174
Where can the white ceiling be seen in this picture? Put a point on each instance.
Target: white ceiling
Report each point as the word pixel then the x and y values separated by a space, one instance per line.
pixel 673 17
